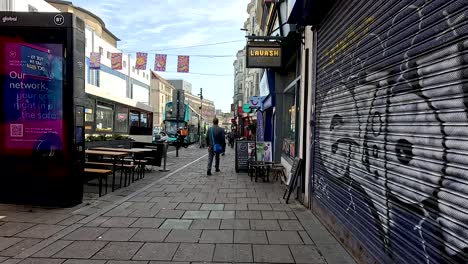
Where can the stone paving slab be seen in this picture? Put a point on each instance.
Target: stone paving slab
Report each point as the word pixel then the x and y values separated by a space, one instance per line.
pixel 180 217
pixel 156 251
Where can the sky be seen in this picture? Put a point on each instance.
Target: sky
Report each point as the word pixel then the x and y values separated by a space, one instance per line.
pixel 166 26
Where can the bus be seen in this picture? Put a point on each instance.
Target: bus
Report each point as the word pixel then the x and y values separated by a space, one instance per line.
pixel 189 121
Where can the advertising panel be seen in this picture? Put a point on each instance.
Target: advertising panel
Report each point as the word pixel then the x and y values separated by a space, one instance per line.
pixel 32 92
pixel 264 151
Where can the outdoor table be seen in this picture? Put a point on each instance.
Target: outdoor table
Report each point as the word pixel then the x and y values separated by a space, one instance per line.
pixel 132 150
pixel 115 157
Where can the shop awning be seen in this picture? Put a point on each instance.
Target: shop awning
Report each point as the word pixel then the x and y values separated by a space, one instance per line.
pixel 309 12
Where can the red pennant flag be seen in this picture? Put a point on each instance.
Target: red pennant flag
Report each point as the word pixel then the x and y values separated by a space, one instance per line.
pixel 183 63
pixel 141 61
pixel 116 61
pixel 95 60
pixel 160 62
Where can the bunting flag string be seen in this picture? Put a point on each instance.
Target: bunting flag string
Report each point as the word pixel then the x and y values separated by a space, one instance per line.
pixel 116 61
pixel 160 62
pixel 141 60
pixel 95 60
pixel 183 63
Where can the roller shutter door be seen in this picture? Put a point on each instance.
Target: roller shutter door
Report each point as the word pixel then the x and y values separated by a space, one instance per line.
pixel 391 152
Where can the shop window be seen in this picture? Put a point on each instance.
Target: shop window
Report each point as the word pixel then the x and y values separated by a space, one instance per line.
pixel 121 119
pixel 290 123
pixel 134 119
pixel 143 120
pixel 89 115
pixel 104 117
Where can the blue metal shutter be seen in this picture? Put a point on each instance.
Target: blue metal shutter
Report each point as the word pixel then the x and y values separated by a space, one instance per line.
pixel 391 151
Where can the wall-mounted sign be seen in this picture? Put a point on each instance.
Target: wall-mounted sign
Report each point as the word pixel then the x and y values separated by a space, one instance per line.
pixel 263 54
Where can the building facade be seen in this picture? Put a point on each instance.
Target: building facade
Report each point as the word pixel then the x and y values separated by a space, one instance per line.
pixel 247 80
pixel 118 101
pixel 373 102
pixel 208 107
pixel 239 67
pixel 161 93
pixel 181 85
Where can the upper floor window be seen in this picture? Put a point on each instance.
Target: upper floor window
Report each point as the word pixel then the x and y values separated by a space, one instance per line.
pixel 101 50
pixel 109 55
pixel 124 64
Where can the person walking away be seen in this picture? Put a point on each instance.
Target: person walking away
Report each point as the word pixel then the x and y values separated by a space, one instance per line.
pixel 216 142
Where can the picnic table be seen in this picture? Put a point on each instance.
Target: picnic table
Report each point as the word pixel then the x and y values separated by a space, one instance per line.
pixel 115 155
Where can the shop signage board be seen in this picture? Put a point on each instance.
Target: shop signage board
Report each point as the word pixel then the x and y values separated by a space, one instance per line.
pixel 263 151
pixel 243 152
pixel 263 54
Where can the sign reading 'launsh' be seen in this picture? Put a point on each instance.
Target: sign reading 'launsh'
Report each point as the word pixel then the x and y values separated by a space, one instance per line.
pixel 263 55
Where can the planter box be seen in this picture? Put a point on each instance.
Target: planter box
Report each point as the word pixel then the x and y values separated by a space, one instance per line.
pixel 109 144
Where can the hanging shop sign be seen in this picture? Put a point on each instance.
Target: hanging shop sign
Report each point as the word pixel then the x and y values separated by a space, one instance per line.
pixel 255 102
pixel 246 108
pixel 263 54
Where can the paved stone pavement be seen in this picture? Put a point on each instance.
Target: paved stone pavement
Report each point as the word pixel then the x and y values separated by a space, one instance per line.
pixel 181 216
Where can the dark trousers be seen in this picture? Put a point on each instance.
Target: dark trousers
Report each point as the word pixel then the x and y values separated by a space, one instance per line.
pixel 211 154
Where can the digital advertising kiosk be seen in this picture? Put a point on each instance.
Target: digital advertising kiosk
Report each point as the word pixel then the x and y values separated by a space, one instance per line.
pixel 42 70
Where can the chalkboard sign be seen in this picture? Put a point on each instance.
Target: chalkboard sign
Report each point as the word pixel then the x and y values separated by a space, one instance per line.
pixel 295 173
pixel 243 153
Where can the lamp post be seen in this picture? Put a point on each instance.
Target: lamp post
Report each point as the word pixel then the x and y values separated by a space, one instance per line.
pixel 200 119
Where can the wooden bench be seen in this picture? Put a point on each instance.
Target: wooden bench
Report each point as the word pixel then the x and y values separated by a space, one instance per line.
pixel 92 173
pixel 140 166
pixel 128 169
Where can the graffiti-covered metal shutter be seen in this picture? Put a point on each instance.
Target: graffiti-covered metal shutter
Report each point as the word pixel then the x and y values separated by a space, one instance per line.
pixel 391 140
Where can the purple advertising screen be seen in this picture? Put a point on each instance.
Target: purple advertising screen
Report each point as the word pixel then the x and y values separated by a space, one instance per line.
pixel 32 97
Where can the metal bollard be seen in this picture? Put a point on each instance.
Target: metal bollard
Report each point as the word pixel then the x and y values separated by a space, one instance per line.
pixel 165 158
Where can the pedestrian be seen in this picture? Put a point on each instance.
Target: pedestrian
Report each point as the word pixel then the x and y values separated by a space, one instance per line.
pixel 216 141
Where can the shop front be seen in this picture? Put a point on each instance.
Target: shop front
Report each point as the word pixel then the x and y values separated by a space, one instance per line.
pixel 107 117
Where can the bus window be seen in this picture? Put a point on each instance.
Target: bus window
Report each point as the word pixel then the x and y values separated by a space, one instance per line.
pixel 171 128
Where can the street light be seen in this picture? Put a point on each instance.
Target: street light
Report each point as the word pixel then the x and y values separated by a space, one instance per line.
pixel 200 119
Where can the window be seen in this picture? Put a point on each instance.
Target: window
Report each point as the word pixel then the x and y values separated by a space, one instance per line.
pixel 133 68
pixel 134 119
pixel 124 64
pixel 138 71
pixel 121 119
pixel 93 77
pixel 290 122
pixel 101 51
pixel 143 120
pixel 89 114
pixel 104 117
pixel 109 55
pixel 144 75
